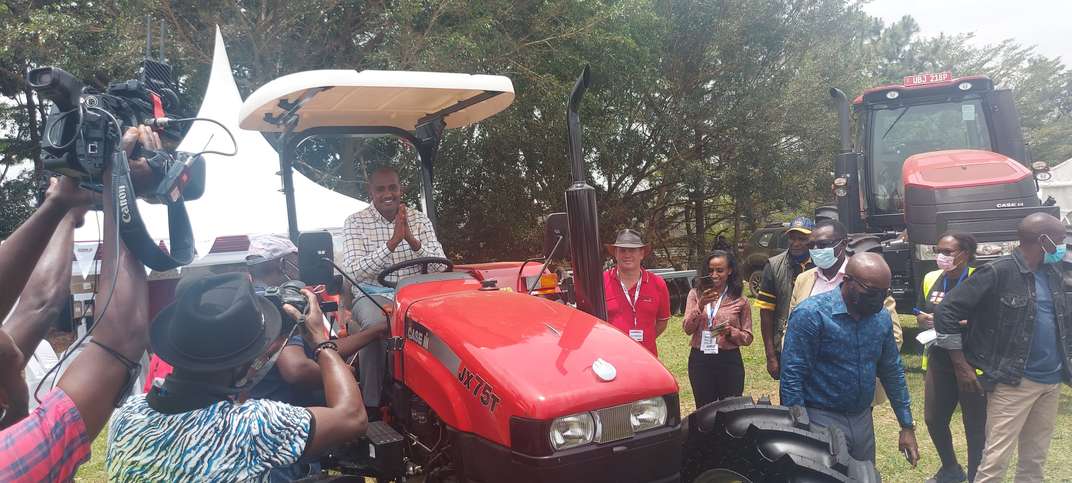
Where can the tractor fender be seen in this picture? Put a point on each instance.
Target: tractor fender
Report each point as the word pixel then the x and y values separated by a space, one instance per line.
pixel 762 442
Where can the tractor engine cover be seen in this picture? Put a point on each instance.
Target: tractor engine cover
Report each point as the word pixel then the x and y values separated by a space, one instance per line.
pixel 973 191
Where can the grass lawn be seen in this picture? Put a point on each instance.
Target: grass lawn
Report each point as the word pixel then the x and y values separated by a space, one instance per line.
pixel 673 351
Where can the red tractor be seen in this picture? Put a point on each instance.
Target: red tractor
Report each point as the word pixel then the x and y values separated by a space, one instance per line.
pixel 493 375
pixel 935 153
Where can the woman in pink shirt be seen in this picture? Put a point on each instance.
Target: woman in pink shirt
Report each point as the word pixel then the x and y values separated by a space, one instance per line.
pixel 719 320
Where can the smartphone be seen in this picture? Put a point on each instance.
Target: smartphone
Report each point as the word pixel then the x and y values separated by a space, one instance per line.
pixel 706 283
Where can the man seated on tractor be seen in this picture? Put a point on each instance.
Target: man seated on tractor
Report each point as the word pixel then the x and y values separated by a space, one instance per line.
pixel 374 241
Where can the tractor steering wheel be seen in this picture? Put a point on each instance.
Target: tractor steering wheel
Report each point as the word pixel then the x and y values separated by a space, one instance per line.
pixel 423 262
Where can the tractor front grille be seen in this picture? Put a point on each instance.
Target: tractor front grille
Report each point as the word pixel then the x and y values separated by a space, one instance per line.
pixel 612 424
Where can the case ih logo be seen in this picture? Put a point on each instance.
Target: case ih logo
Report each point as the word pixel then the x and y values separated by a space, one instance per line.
pixel 419 334
pixel 1011 204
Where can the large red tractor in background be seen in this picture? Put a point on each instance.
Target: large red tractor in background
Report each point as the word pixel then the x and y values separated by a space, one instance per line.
pixel 496 374
pixel 933 154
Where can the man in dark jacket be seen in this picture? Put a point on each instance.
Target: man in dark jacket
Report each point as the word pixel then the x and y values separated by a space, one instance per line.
pixel 1016 346
pixel 776 289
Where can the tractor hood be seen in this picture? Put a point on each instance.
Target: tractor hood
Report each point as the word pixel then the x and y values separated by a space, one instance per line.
pixel 537 353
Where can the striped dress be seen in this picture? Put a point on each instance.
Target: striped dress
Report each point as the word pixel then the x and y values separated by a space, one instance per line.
pixel 221 442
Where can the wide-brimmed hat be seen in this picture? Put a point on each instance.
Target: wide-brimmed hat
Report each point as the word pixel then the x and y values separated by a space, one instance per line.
pixel 216 322
pixel 801 224
pixel 627 238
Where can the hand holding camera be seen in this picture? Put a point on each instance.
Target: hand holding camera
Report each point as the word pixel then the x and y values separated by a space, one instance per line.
pixel 313 319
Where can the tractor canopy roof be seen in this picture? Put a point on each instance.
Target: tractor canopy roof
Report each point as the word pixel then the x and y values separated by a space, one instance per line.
pixel 373 98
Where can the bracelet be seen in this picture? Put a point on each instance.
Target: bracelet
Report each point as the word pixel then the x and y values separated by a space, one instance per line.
pixel 325 345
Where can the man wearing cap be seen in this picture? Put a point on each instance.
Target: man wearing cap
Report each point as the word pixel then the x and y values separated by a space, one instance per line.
pixel 271 260
pixel 638 302
pixel 776 289
pixel 221 337
pixel 295 377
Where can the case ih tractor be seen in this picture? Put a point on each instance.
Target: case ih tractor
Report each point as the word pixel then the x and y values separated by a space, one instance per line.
pixel 492 376
pixel 933 154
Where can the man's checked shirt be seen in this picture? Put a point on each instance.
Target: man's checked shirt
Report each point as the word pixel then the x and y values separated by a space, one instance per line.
pixel 48 445
pixel 366 235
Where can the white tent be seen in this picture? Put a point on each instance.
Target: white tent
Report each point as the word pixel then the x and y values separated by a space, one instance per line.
pixel 1059 187
pixel 242 193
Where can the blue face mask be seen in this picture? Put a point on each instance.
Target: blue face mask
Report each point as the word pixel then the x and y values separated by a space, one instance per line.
pixel 823 257
pixel 1051 258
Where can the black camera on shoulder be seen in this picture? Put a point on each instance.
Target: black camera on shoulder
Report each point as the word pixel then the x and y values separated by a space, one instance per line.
pixel 82 137
pixel 83 129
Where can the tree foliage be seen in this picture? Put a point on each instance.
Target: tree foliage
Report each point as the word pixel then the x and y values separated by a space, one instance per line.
pixel 705 117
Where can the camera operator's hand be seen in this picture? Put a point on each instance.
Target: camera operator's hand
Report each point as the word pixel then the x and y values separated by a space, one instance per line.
pixel 65 192
pixel 140 172
pixel 314 320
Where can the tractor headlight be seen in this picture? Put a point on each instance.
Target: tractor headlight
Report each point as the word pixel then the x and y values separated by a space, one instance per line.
pixel 572 431
pixel 648 414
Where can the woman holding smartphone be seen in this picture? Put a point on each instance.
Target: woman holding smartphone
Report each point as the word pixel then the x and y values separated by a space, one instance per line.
pixel 719 320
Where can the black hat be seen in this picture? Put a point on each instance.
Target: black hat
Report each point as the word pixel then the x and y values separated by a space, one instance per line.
pixel 216 322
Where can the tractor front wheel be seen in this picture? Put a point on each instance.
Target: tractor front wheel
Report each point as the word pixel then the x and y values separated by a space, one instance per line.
pixel 739 440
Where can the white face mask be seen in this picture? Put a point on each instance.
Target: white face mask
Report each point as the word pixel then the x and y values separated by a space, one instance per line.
pixel 945 262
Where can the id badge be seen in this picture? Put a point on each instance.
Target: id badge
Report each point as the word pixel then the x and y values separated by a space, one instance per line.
pixel 708 342
pixel 637 335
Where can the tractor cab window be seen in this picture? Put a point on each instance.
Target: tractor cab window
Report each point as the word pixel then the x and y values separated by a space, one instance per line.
pixel 901 132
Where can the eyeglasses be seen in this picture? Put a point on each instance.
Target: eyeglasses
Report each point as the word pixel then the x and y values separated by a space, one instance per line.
pixel 949 252
pixel 821 244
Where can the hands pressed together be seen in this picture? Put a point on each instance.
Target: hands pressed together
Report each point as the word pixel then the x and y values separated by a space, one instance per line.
pixel 402 232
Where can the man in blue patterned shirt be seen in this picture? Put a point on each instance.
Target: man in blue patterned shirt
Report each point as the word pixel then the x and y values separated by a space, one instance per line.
pixel 836 343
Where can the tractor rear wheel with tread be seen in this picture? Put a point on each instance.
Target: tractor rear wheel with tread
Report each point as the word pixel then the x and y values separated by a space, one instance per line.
pixel 740 440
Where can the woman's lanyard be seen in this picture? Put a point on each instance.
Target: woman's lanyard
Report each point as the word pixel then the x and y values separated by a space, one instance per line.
pixel 636 295
pixel 945 281
pixel 713 311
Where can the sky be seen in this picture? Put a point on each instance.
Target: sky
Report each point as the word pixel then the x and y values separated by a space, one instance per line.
pixel 1043 23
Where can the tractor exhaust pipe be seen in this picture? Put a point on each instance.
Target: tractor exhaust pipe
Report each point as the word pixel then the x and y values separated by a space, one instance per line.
pixel 842 104
pixel 583 216
pixel 847 168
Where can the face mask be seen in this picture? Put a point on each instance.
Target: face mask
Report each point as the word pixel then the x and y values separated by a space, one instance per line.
pixel 1051 258
pixel 946 262
pixel 867 302
pixel 823 258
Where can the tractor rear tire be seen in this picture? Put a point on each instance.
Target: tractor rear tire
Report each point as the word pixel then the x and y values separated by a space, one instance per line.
pixel 739 440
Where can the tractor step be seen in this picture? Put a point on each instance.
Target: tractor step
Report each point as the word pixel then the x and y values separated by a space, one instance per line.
pixel 385 449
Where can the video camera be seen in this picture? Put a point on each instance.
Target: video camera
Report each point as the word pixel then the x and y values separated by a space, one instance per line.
pixel 81 138
pixel 83 128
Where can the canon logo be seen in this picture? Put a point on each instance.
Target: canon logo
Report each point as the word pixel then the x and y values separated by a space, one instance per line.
pixel 1011 204
pixel 124 203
